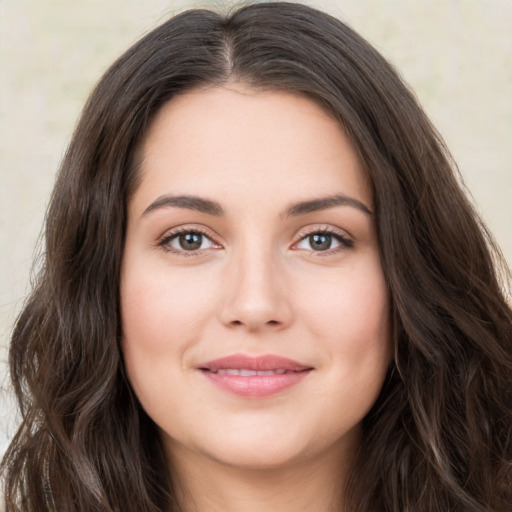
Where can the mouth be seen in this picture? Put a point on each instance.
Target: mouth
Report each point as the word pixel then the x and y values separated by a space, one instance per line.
pixel 254 377
pixel 250 373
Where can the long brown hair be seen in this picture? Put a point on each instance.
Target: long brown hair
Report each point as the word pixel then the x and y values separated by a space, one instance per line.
pixel 438 438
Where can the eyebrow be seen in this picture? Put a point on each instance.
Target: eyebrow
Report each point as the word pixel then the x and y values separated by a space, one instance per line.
pixel 188 202
pixel 210 207
pixel 323 203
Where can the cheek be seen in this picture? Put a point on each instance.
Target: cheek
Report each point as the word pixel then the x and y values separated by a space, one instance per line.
pixel 354 304
pixel 349 318
pixel 162 317
pixel 162 309
pixel 159 322
pixel 353 327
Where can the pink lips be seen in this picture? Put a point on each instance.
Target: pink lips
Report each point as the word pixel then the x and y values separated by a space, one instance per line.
pixel 254 377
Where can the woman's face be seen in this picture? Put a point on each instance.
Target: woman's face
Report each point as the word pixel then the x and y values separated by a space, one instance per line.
pixel 254 308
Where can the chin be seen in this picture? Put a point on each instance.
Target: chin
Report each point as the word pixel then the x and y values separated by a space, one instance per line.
pixel 243 448
pixel 258 456
pixel 270 449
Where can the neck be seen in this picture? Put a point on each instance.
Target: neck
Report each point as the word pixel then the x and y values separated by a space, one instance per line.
pixel 209 486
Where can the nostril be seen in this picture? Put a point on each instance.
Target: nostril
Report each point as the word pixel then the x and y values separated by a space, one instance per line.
pixel 270 322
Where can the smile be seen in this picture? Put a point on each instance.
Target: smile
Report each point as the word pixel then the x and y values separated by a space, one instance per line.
pixel 251 373
pixel 254 377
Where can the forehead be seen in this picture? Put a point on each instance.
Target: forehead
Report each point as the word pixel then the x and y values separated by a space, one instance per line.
pixel 267 144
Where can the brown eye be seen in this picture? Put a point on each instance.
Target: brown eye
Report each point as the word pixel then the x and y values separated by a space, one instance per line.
pixel 188 241
pixel 322 241
pixel 319 242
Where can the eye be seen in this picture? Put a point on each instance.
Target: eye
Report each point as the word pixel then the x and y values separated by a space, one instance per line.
pixel 187 241
pixel 323 241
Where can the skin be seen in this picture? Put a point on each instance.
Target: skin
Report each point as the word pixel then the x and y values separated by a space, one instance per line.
pixel 257 285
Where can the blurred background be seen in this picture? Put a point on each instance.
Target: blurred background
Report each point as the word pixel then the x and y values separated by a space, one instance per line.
pixel 455 54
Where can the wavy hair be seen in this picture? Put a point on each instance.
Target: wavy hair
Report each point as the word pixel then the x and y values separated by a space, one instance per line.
pixel 439 436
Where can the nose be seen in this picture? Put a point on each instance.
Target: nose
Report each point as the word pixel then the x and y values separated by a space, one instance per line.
pixel 256 295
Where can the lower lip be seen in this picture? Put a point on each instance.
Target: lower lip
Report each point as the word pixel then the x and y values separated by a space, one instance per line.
pixel 256 386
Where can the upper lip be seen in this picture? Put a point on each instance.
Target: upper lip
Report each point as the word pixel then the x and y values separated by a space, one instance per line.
pixel 261 363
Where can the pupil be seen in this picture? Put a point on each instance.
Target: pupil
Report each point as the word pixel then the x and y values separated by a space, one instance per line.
pixel 320 242
pixel 190 241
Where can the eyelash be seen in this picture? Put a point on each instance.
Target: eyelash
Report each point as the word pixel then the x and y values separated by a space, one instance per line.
pixel 168 237
pixel 344 241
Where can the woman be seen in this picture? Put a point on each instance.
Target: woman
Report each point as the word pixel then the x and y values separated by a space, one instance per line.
pixel 263 288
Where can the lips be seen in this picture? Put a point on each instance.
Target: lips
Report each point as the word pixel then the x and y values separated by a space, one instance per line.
pixel 250 373
pixel 254 377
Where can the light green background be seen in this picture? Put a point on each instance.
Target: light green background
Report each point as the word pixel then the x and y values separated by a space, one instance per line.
pixel 456 55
